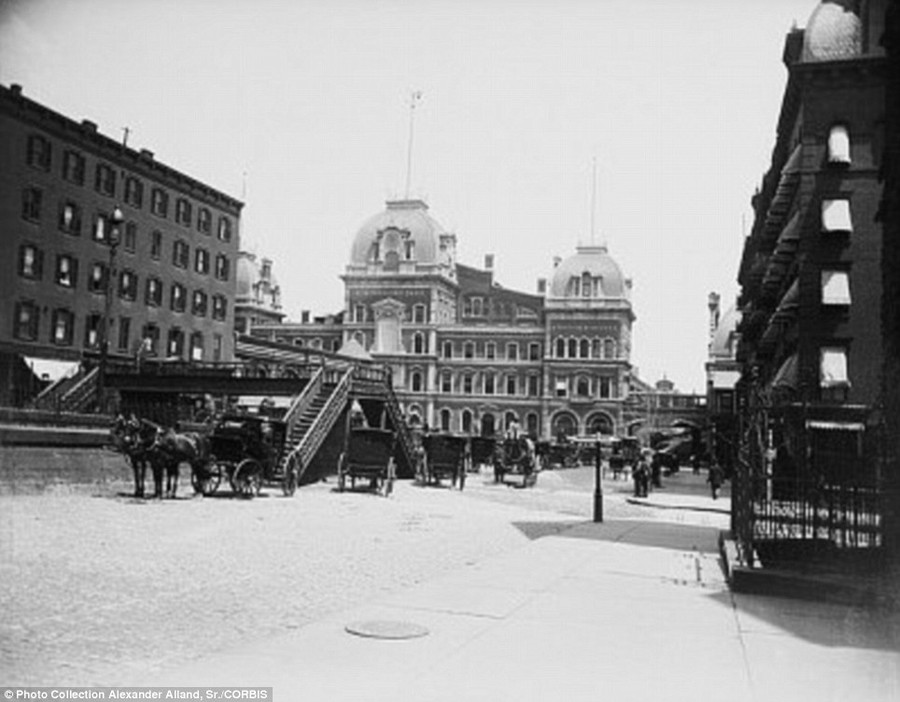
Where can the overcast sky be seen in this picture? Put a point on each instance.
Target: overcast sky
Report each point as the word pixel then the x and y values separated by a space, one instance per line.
pixel 301 108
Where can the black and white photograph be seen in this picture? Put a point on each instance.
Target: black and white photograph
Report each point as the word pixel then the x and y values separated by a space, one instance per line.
pixel 450 350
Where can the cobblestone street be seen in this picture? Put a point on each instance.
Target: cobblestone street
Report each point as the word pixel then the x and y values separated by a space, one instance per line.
pixel 97 588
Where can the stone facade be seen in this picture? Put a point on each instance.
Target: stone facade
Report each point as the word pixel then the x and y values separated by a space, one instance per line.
pixel 469 355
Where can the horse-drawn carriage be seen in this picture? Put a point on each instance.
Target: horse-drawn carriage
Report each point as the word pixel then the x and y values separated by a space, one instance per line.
pixel 369 455
pixel 247 450
pixel 515 456
pixel 444 456
pixel 482 450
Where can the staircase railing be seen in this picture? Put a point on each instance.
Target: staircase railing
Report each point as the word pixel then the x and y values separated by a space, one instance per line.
pixel 303 400
pixel 405 440
pixel 303 452
pixel 79 396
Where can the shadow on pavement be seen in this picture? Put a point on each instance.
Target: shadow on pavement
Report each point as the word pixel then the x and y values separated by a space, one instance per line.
pixel 655 534
pixel 824 624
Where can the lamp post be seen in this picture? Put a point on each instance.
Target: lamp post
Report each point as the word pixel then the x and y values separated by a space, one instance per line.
pixel 115 222
pixel 598 482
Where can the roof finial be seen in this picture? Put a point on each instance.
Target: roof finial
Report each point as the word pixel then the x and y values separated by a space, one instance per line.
pixel 414 98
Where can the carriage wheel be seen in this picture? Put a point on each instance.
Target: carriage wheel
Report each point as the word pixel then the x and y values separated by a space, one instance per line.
pixel 206 482
pixel 247 478
pixel 289 481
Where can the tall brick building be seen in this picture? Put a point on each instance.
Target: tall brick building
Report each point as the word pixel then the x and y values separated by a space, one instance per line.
pixel 173 272
pixel 812 292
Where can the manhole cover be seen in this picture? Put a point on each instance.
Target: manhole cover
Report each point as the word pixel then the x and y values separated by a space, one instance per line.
pixel 387 630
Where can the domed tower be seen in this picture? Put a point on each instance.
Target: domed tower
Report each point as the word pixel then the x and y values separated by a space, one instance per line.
pixel 588 322
pixel 257 296
pixel 401 280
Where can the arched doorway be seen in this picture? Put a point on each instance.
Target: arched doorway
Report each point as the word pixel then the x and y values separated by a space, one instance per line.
pixel 564 424
pixel 487 424
pixel 531 425
pixel 600 423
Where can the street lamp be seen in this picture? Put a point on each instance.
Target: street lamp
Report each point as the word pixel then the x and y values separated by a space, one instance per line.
pixel 115 222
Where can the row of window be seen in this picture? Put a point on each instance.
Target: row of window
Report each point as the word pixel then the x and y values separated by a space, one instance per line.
pixel 471 383
pixel 489 350
pixel 27 324
pixel 70 220
pixel 74 166
pixel 584 285
pixel 477 306
pixel 464 421
pixel 479 384
pixel 472 307
pixel 585 348
pixel 65 274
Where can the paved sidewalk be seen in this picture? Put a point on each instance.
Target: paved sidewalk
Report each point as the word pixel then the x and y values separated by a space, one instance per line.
pixel 626 610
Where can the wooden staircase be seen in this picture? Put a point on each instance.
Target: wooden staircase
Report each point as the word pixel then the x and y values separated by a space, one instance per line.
pixel 312 416
pixel 77 393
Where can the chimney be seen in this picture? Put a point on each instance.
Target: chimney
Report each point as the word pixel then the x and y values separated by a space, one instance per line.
pixel 147 154
pixel 89 126
pixel 542 286
pixel 15 89
pixel 304 316
pixel 489 262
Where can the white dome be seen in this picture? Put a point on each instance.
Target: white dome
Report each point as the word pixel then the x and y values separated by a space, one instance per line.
pixel 403 222
pixel 834 32
pixel 595 263
pixel 721 345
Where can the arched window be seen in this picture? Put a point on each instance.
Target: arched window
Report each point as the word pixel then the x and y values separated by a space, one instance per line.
pixel 446 382
pixel 609 348
pixel 595 348
pixel 445 420
pixel 573 348
pixel 560 347
pixel 417 381
pixel 584 350
pixel 467 421
pixel 583 386
pixel 418 343
pixel 586 284
pixel 509 419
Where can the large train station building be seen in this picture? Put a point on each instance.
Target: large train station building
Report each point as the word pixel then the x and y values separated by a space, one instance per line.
pixel 467 354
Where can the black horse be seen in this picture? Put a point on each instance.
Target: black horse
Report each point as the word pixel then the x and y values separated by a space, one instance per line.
pixel 172 448
pixel 135 438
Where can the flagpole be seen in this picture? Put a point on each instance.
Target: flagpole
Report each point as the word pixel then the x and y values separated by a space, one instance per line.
pixel 414 97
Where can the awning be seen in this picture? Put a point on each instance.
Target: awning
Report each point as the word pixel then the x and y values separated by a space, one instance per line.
pixel 786 377
pixel 836 216
pixel 51 369
pixel 834 425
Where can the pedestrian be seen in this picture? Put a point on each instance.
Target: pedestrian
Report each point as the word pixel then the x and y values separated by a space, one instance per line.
pixel 641 476
pixel 715 478
pixel 656 470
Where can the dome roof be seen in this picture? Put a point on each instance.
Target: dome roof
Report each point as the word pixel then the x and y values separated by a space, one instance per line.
pixel 247 275
pixel 408 217
pixel 598 264
pixel 721 345
pixel 834 32
pixel 254 278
